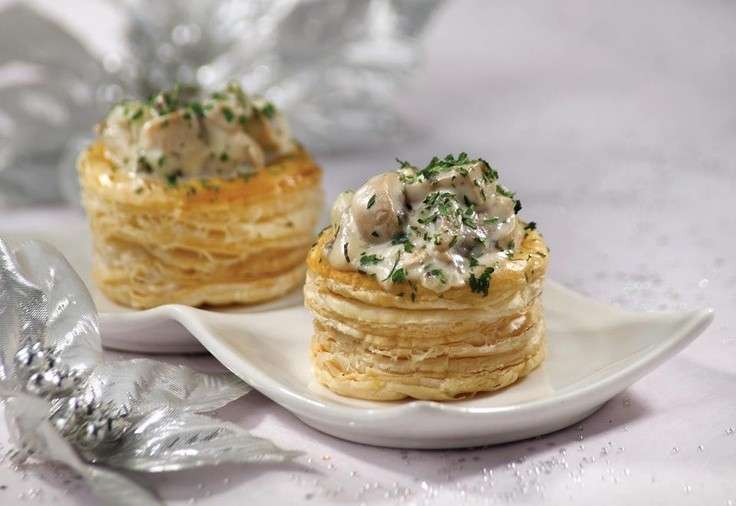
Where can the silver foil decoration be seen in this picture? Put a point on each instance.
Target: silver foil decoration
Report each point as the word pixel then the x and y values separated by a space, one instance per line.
pixel 64 402
pixel 335 68
pixel 50 92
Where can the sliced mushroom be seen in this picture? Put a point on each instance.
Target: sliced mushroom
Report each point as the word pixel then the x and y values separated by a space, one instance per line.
pixel 378 208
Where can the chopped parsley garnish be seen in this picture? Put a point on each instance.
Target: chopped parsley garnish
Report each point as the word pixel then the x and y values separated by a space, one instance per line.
pixel 517 206
pixel 439 274
pixel 197 109
pixel 138 114
pixel 503 191
pixel 371 201
pixel 428 219
pixel 437 165
pixel 398 276
pixel 530 226
pixel 375 234
pixel 370 259
pixel 393 269
pixel 493 220
pixel 481 283
pixel 468 221
pixel 407 178
pixel 269 110
pixel 144 165
pixel 403 164
pixel 242 119
pixel 473 262
pixel 224 157
pixel 161 160
pixel 489 173
pixel 172 178
pixel 403 239
pixel 228 114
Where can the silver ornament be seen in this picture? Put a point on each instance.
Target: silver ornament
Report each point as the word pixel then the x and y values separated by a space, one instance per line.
pixel 93 433
pixel 67 404
pixel 32 358
pixel 52 382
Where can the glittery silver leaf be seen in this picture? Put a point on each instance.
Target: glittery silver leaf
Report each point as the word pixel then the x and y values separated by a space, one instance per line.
pixel 48 94
pixel 166 441
pixel 67 404
pixel 36 438
pixel 43 300
pixel 145 384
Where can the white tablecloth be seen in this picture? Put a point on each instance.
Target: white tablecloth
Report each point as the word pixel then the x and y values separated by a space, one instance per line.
pixel 616 124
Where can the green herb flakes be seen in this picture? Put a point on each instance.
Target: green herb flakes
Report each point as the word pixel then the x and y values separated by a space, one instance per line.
pixel 481 283
pixel 504 192
pixel 403 239
pixel 228 114
pixel 370 259
pixel 172 178
pixel 269 110
pixel 398 276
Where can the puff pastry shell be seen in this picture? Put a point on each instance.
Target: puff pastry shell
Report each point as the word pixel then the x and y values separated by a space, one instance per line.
pixel 211 241
pixel 388 344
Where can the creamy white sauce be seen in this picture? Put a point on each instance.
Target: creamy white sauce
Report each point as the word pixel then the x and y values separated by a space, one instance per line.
pixel 174 136
pixel 441 227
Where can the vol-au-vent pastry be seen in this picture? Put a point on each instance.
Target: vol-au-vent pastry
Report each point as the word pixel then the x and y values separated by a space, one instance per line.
pixel 198 200
pixel 427 285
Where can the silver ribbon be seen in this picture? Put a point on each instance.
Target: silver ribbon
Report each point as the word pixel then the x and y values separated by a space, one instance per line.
pixel 65 403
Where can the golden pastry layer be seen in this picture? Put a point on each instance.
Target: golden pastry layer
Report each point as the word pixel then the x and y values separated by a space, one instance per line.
pixel 200 241
pixel 389 343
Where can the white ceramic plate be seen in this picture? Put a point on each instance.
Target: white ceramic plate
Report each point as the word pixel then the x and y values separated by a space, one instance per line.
pixel 151 331
pixel 595 352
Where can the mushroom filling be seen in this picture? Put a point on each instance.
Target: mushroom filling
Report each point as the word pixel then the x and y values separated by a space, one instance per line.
pixel 173 135
pixel 442 226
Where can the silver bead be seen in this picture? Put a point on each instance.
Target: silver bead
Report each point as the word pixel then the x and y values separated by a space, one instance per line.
pixel 36 384
pixel 51 382
pixel 117 427
pixel 69 415
pixel 31 358
pixel 93 433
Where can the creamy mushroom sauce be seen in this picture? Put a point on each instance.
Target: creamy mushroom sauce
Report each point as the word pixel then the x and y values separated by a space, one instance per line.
pixel 174 136
pixel 443 226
